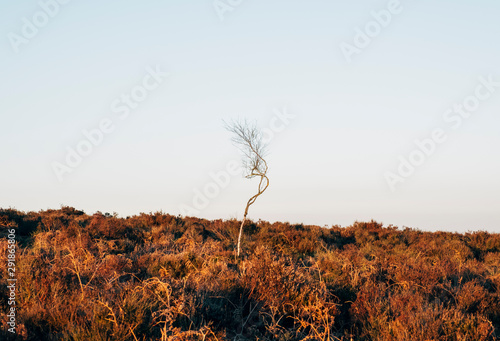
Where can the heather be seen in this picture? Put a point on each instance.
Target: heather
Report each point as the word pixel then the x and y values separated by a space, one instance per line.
pixel 163 277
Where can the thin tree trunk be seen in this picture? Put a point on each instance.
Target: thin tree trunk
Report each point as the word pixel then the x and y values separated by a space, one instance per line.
pixel 241 231
pixel 249 203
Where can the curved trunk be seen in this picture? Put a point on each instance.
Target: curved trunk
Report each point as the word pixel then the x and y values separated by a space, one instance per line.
pixel 249 203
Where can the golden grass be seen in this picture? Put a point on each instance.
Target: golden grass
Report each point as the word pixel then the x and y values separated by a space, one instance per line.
pixel 161 277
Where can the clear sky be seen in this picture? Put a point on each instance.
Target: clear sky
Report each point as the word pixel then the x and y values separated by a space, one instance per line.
pixel 363 80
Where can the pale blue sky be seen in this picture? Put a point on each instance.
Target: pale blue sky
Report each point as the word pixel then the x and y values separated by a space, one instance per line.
pixel 352 120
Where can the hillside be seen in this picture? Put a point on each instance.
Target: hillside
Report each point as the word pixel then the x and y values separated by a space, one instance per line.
pixel 162 277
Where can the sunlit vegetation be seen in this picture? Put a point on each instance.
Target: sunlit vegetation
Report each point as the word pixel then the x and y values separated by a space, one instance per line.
pixel 162 277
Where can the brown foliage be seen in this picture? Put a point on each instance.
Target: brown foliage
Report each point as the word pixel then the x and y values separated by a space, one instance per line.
pixel 161 277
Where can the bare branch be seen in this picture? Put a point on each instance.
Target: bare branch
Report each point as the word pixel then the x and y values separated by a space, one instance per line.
pixel 248 139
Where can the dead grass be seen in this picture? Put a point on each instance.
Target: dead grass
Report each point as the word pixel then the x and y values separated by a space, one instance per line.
pixel 160 277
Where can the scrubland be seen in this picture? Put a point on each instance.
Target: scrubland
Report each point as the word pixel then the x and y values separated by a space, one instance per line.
pixel 163 277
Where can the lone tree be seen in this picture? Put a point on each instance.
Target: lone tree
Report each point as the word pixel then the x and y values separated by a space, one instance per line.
pixel 248 138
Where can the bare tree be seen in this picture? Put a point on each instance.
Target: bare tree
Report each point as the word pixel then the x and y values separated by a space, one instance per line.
pixel 248 138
